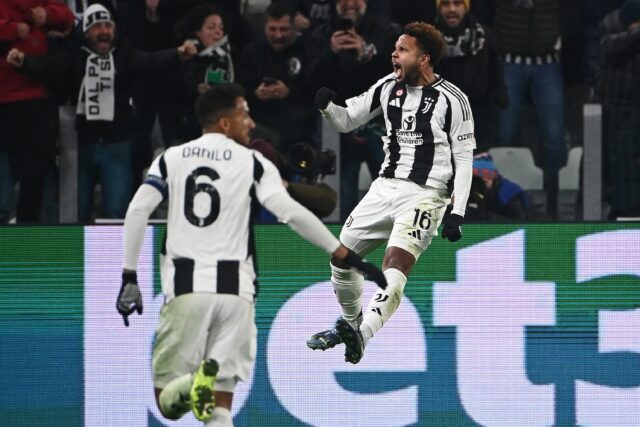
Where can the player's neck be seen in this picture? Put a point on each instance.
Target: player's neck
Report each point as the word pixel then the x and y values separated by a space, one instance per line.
pixel 214 129
pixel 427 77
pixel 424 78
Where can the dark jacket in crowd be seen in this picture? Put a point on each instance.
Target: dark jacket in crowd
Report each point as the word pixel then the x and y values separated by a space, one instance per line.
pixel 472 62
pixel 343 72
pixel 291 66
pixel 619 80
pixel 527 31
pixel 294 116
pixel 69 64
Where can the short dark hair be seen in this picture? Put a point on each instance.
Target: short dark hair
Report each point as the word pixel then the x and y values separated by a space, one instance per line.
pixel 217 102
pixel 428 38
pixel 278 9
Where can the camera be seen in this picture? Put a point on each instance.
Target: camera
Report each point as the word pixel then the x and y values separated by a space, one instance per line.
pixel 311 163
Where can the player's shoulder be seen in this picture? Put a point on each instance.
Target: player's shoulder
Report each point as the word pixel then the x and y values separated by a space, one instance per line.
pixel 262 165
pixel 450 90
pixel 386 80
pixel 458 101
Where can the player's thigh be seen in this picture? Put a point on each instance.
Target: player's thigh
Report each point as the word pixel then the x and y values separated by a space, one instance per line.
pixel 416 220
pixel 370 223
pixel 181 337
pixel 232 340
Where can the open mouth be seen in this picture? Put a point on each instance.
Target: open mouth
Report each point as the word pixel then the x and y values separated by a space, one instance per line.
pixel 397 70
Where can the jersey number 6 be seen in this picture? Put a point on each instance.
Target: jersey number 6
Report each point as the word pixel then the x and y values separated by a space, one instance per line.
pixel 191 191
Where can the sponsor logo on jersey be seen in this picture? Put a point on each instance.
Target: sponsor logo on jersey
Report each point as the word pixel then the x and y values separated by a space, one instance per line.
pixel 428 103
pixel 405 137
pixel 465 136
pixel 409 123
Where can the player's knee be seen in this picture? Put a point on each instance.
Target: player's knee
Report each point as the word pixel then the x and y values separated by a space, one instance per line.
pixel 399 259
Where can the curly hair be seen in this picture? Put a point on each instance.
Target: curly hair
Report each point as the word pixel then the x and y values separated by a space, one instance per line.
pixel 428 39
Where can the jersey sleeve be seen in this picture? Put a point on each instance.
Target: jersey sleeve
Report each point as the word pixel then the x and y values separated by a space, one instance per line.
pixel 461 133
pixel 266 177
pixel 144 202
pixel 359 110
pixel 157 175
pixel 272 195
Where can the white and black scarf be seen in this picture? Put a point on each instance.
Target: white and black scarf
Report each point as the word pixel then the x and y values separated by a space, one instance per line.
pixel 96 100
pixel 219 54
pixel 466 39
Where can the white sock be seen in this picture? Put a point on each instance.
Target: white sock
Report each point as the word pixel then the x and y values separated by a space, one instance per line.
pixel 221 418
pixel 383 303
pixel 174 398
pixel 348 285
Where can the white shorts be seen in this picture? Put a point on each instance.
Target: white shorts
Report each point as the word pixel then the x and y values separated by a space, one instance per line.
pixel 402 213
pixel 197 326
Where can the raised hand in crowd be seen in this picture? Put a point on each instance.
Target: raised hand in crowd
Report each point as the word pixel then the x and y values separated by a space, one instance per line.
pixel 301 22
pixel 15 57
pixel 187 50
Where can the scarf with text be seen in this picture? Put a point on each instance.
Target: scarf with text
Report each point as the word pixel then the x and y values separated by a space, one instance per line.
pixel 96 100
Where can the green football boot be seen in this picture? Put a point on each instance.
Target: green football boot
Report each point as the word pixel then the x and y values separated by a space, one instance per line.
pixel 202 398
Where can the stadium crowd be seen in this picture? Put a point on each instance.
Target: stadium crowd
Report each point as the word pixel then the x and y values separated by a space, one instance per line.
pixel 111 83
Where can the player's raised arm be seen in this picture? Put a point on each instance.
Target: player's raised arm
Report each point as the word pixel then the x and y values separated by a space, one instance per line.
pixel 359 110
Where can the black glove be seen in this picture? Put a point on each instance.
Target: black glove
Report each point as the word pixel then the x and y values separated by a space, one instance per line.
pixel 369 270
pixel 129 298
pixel 323 97
pixel 451 227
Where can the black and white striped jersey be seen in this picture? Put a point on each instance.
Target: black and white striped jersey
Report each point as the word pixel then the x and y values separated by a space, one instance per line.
pixel 210 183
pixel 425 127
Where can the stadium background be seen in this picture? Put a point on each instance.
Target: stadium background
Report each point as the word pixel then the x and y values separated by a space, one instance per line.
pixel 67 360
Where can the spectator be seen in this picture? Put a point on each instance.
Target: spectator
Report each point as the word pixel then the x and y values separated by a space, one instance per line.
pixel 102 71
pixel 493 197
pixel 311 13
pixel 471 62
pixel 274 71
pixel 619 89
pixel 212 65
pixel 27 146
pixel 149 24
pixel 528 34
pixel 239 30
pixel 353 51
